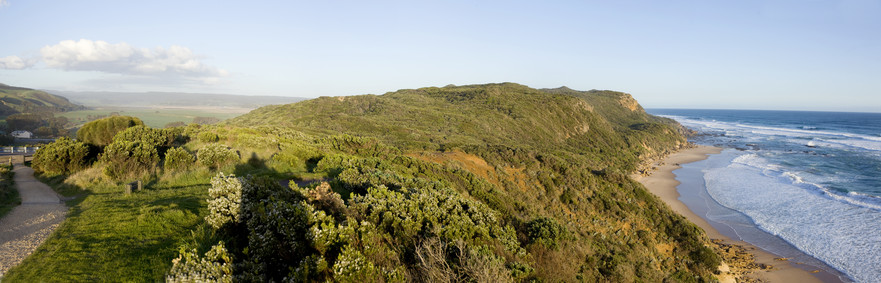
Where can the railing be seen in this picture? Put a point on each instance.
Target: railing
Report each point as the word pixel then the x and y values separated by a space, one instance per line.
pixel 19 149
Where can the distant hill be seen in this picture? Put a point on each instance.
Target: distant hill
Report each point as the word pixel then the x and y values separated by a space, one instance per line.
pixel 24 100
pixel 171 99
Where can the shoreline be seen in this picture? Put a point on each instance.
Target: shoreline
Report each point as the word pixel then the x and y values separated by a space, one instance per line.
pixel 662 183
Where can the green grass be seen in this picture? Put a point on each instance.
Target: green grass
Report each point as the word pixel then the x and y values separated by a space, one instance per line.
pixel 110 236
pixel 9 197
pixel 156 118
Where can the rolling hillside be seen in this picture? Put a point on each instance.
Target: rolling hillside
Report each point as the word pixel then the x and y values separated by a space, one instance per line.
pixel 24 100
pixel 535 157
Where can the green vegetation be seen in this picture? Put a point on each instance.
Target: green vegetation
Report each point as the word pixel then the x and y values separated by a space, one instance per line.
pixel 64 156
pixel 101 132
pixel 487 183
pixel 126 160
pixel 179 160
pixel 34 111
pixel 153 117
pixel 24 100
pixel 9 197
pixel 112 237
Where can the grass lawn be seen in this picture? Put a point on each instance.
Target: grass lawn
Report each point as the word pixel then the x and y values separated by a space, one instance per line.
pixel 155 117
pixel 110 236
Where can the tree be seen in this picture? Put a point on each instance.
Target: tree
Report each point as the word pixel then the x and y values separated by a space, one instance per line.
pixel 24 121
pixel 101 132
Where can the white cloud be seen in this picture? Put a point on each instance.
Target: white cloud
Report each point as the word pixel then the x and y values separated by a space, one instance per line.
pixel 121 58
pixel 4 3
pixel 14 62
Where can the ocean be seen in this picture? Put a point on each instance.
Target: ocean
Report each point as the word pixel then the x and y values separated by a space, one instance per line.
pixel 810 179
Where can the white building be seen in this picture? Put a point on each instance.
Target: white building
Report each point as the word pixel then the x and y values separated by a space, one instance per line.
pixel 22 134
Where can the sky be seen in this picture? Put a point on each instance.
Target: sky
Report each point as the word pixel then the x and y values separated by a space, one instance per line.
pixel 768 54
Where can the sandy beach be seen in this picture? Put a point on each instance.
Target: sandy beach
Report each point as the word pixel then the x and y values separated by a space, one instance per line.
pixel 662 182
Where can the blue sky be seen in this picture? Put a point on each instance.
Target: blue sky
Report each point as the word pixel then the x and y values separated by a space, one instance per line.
pixel 800 54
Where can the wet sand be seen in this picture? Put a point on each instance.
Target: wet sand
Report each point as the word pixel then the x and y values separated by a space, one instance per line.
pixel 662 182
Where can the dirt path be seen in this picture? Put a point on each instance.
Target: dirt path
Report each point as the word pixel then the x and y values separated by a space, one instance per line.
pixel 29 224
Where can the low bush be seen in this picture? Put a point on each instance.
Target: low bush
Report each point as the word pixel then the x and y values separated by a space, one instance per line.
pixel 63 156
pixel 215 266
pixel 208 137
pixel 225 201
pixel 545 231
pixel 215 156
pixel 126 160
pixel 146 135
pixel 178 159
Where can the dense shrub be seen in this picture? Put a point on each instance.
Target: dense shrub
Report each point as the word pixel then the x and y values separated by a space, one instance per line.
pixel 705 258
pixel 436 181
pixel 225 201
pixel 125 159
pixel 63 156
pixel 277 239
pixel 178 159
pixel 101 132
pixel 282 230
pixel 146 135
pixel 208 137
pixel 324 198
pixel 443 213
pixel 545 231
pixel 215 266
pixel 216 156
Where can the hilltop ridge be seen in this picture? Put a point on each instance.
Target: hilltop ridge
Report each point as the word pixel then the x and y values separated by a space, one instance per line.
pixel 492 114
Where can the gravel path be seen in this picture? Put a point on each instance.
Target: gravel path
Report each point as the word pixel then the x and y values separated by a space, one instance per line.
pixel 29 224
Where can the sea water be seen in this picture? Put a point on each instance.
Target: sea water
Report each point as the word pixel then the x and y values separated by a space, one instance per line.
pixel 813 179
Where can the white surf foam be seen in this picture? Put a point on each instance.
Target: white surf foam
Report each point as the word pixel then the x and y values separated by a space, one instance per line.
pixel 837 231
pixel 866 142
